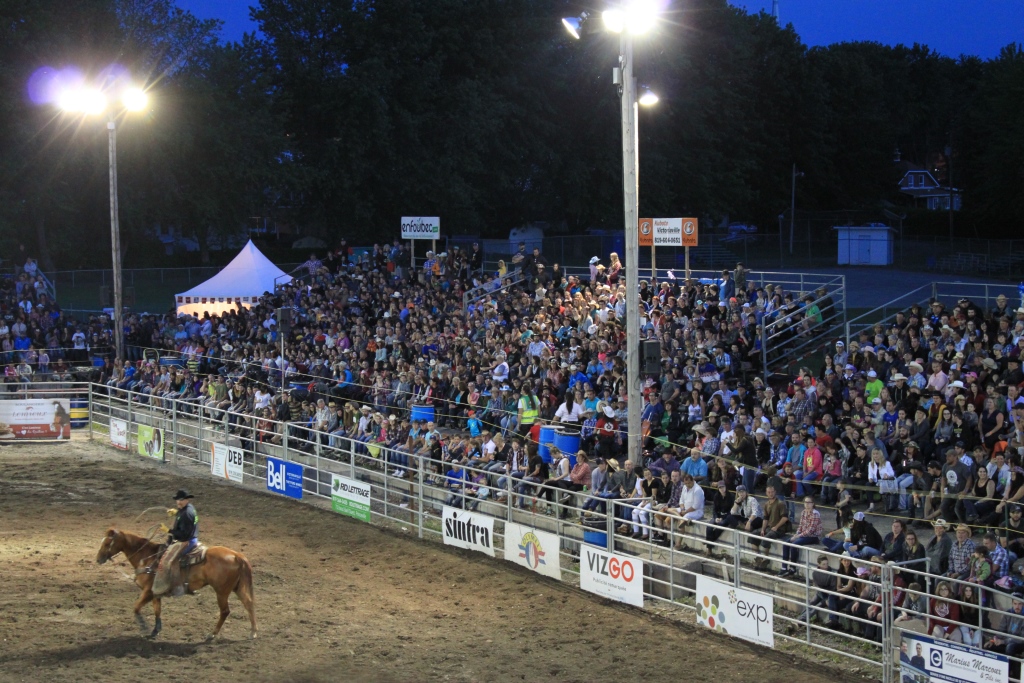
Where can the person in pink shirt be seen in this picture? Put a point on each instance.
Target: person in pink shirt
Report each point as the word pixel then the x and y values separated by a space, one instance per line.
pixel 811 468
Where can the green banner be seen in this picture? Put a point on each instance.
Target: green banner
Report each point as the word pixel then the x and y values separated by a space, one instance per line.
pixel 350 497
pixel 150 442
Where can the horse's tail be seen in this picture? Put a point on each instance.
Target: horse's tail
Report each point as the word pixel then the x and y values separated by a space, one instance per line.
pixel 244 584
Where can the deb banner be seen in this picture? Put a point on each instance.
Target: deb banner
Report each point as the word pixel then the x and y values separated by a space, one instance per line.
pixel 464 529
pixel 534 549
pixel 227 462
pixel 150 441
pixel 118 433
pixel 924 660
pixel 618 577
pixel 350 497
pixel 735 611
pixel 35 419
pixel 421 227
pixel 284 477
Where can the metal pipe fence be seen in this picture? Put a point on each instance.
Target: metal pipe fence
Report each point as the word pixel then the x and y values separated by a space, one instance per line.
pixel 408 491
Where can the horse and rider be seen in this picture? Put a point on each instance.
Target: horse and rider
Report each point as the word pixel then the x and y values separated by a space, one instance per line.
pixel 166 570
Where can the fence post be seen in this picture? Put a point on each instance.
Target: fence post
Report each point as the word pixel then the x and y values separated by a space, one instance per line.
pixel 737 544
pixel 764 352
pixel 284 437
pixel 807 594
pixel 421 500
pixel 199 431
pixel 90 412
pixel 609 519
pixel 129 419
pixel 174 429
pixel 887 667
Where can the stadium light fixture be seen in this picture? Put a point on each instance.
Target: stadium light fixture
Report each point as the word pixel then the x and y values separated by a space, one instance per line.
pixel 648 98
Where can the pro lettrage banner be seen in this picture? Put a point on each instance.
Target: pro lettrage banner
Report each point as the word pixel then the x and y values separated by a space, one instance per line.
pixel 924 660
pixel 534 549
pixel 227 462
pixel 35 419
pixel 618 577
pixel 118 433
pixel 150 442
pixel 735 611
pixel 468 530
pixel 350 497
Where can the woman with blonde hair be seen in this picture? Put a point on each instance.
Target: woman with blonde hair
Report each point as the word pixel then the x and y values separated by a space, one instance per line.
pixel 614 268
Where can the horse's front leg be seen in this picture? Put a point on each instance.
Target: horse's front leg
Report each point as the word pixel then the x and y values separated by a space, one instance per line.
pixel 144 599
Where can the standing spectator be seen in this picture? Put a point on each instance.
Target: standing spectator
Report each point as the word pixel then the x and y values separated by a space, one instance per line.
pixel 808 532
pixel 776 524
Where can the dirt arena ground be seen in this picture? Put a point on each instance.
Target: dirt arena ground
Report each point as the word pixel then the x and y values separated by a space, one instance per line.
pixel 335 599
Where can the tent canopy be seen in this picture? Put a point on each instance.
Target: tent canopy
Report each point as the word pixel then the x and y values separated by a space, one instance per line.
pixel 243 281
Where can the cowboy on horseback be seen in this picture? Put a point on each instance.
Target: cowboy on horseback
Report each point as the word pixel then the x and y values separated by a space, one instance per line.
pixel 182 538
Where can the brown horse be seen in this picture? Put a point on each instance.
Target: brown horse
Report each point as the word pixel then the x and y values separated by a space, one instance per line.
pixel 225 570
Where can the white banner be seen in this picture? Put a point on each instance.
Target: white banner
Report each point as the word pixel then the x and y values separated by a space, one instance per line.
pixel 668 232
pixel 534 549
pixel 227 462
pixel 35 418
pixel 421 227
pixel 924 660
pixel 735 611
pixel 617 577
pixel 468 530
pixel 350 497
pixel 118 433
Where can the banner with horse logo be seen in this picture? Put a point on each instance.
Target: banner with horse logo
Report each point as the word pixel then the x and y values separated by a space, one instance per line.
pixel 35 419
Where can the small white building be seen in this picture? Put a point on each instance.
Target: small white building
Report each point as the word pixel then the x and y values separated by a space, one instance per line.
pixel 865 245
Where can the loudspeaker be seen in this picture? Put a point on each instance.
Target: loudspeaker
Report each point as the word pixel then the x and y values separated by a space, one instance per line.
pixel 650 357
pixel 284 320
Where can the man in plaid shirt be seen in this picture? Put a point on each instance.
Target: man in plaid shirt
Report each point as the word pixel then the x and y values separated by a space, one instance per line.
pixel 997 555
pixel 960 553
pixel 801 407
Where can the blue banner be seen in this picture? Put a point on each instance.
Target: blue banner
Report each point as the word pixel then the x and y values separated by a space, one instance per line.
pixel 284 477
pixel 927 660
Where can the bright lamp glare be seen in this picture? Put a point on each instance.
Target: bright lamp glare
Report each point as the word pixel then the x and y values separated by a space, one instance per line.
pixel 82 101
pixel 572 25
pixel 648 98
pixel 135 99
pixel 614 20
pixel 640 16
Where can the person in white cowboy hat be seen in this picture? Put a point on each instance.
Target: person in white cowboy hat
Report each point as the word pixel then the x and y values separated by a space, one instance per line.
pixel 917 379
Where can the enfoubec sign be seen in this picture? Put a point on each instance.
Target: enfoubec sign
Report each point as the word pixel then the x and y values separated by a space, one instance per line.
pixel 421 227
pixel 667 232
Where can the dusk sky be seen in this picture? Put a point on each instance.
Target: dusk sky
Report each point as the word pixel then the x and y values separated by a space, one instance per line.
pixel 953 27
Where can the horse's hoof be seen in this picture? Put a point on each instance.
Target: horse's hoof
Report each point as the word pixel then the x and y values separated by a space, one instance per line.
pixel 210 638
pixel 253 635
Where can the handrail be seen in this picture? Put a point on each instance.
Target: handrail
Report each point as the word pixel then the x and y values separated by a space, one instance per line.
pixel 510 279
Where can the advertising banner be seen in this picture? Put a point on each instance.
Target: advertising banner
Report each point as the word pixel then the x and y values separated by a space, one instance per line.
pixel 150 442
pixel 350 497
pixel 35 419
pixel 227 462
pixel 118 433
pixel 421 227
pixel 617 577
pixel 735 611
pixel 689 232
pixel 284 477
pixel 468 530
pixel 667 232
pixel 534 549
pixel 924 660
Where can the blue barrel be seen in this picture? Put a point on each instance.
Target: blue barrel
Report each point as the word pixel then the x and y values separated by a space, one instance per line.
pixel 297 385
pixel 79 413
pixel 98 362
pixel 176 362
pixel 425 413
pixel 547 438
pixel 598 538
pixel 569 444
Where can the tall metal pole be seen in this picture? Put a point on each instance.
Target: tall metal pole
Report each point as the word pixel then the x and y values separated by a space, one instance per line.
pixel 115 243
pixel 949 179
pixel 630 184
pixel 792 210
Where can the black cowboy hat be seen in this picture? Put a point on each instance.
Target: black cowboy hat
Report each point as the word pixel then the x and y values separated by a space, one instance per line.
pixel 182 494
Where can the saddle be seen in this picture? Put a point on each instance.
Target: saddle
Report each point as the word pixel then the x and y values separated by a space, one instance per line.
pixel 171 570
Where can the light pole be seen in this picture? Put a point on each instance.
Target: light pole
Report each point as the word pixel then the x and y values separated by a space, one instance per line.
pixel 792 207
pixel 91 101
pixel 629 19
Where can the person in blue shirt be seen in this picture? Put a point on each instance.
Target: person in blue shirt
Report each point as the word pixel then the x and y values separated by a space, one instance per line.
pixel 456 481
pixel 473 424
pixel 695 467
pixel 576 377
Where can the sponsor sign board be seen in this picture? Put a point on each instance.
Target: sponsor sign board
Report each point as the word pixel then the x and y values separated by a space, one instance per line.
pixel 150 442
pixel 668 232
pixel 118 433
pixel 735 611
pixel 925 660
pixel 284 477
pixel 618 577
pixel 350 497
pixel 35 419
pixel 464 529
pixel 227 462
pixel 534 549
pixel 421 227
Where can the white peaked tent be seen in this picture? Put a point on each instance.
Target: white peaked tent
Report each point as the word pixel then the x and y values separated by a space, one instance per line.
pixel 243 281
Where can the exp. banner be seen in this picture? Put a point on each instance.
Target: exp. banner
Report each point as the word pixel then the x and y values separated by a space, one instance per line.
pixel 735 611
pixel 35 418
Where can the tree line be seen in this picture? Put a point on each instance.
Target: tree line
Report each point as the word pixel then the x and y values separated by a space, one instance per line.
pixel 339 118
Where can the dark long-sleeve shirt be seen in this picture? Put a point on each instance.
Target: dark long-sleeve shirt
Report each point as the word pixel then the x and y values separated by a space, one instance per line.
pixel 186 524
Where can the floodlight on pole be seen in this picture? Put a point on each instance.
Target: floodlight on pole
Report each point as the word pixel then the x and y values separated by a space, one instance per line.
pixel 573 25
pixel 648 97
pixel 135 99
